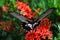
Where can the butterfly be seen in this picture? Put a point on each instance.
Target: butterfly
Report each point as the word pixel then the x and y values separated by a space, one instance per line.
pixel 28 25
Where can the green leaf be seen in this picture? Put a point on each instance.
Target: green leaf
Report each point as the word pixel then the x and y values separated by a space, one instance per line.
pixel 9 37
pixel 41 6
pixel 0 27
pixel 58 35
pixel 55 3
pixel 2 2
pixel 58 12
pixel 4 34
pixel 55 38
pixel 12 1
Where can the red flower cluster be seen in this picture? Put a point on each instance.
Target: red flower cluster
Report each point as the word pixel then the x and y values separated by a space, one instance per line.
pixel 46 23
pixel 44 32
pixel 7 26
pixel 1 23
pixel 4 8
pixel 32 35
pixel 25 9
pixel 41 32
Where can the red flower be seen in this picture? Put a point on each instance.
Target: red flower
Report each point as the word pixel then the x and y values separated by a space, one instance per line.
pixel 34 14
pixel 4 28
pixel 1 23
pixel 44 32
pixel 41 31
pixel 26 11
pixel 38 9
pixel 45 23
pixel 32 35
pixel 4 8
pixel 8 27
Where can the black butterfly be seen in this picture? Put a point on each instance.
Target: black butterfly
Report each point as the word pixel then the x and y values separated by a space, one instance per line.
pixel 32 24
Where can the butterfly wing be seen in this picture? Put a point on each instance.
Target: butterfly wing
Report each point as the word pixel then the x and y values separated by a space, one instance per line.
pixel 20 17
pixel 25 23
pixel 46 13
pixel 49 11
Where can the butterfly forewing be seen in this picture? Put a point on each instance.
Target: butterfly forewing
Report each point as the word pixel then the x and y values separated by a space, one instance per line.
pixel 20 17
pixel 45 14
